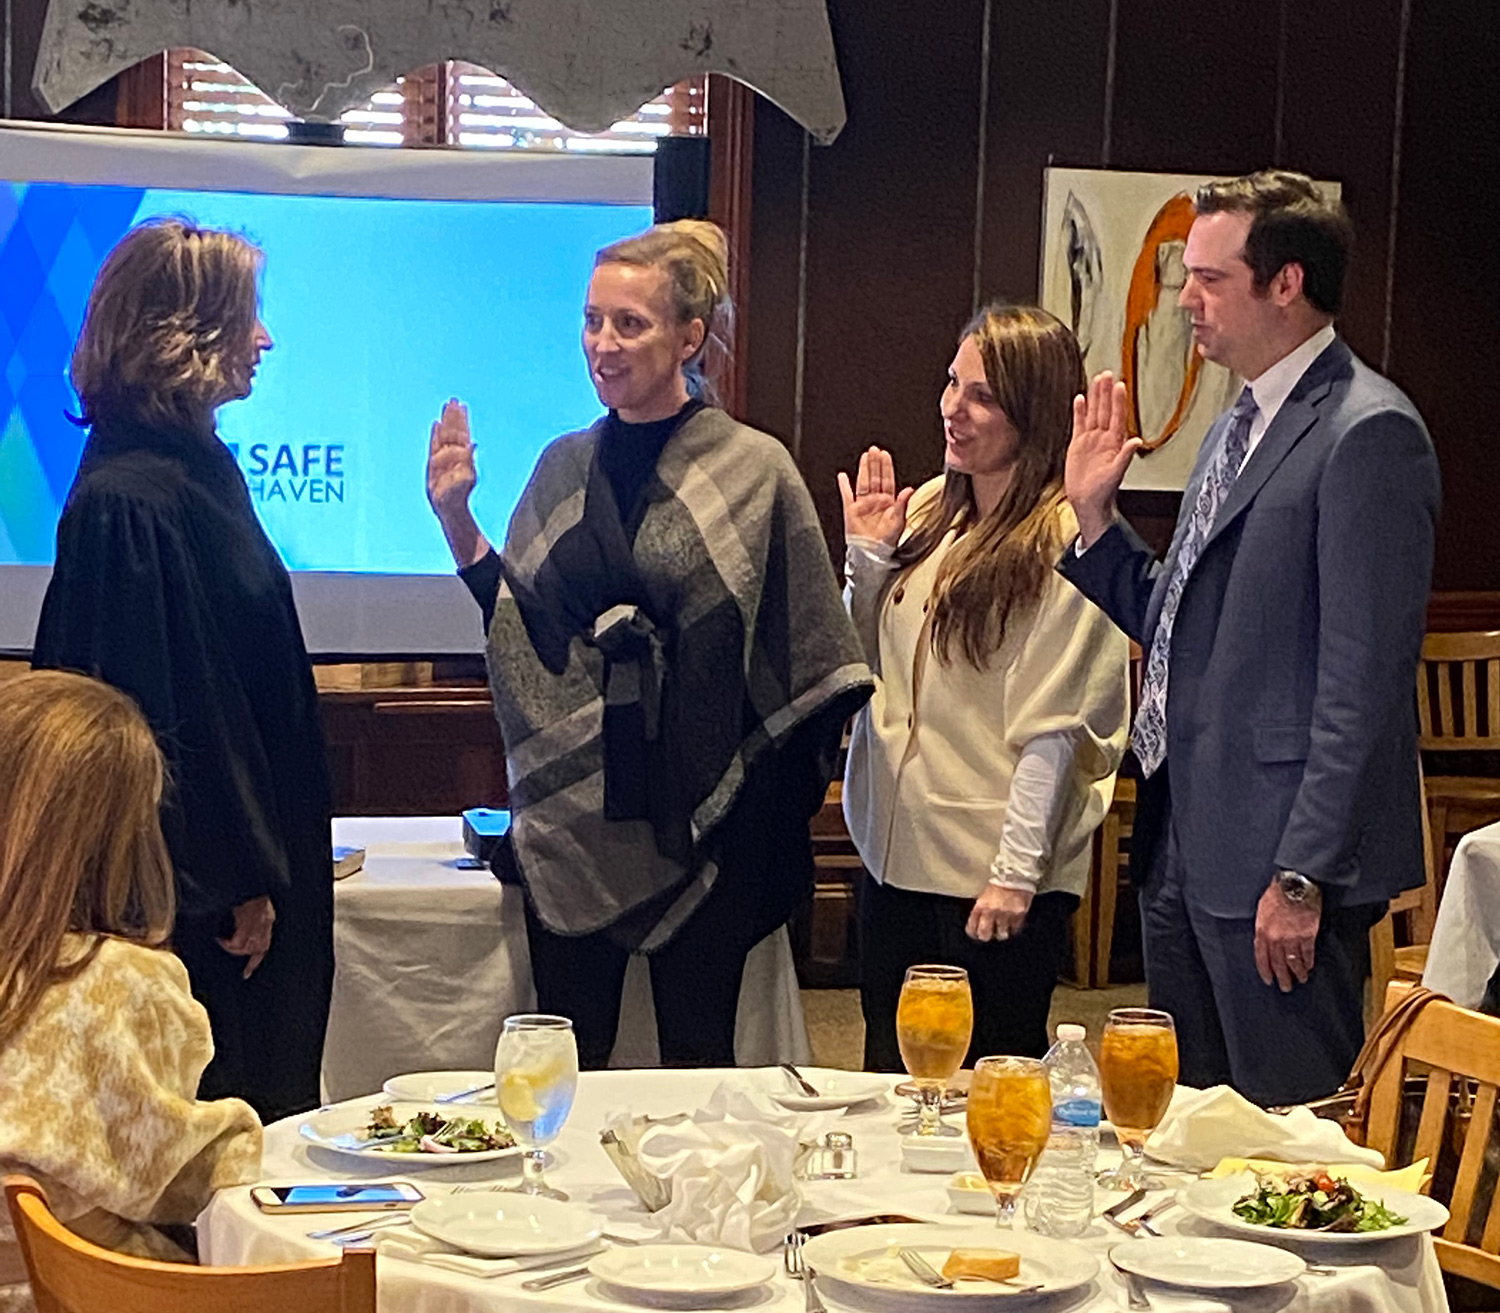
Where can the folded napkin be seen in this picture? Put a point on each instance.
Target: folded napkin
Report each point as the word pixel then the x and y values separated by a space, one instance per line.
pixel 730 1168
pixel 1407 1178
pixel 417 1248
pixel 1203 1127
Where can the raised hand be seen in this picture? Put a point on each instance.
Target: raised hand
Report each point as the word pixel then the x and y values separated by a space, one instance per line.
pixel 450 461
pixel 450 480
pixel 1098 455
pixel 873 508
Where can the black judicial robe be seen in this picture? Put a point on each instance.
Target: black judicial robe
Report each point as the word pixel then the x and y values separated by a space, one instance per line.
pixel 167 587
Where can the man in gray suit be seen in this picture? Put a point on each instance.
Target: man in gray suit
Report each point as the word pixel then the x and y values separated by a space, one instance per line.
pixel 1279 808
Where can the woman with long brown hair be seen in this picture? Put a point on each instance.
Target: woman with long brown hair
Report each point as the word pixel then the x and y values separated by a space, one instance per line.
pixel 101 1043
pixel 167 587
pixel 671 666
pixel 982 765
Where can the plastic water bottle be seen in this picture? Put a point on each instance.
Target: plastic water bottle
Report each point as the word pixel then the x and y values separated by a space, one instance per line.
pixel 1060 1196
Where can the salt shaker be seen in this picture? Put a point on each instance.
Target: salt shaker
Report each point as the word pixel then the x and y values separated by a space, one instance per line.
pixel 834 1159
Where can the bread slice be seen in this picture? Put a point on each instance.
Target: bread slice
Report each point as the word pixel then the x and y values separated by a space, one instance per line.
pixel 982 1264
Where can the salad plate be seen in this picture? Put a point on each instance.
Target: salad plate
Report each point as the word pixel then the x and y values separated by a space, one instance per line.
pixel 1385 1213
pixel 425 1086
pixel 836 1089
pixel 671 1274
pixel 350 1130
pixel 505 1225
pixel 1207 1262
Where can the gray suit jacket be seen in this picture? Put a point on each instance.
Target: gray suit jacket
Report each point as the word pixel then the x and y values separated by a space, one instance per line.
pixel 1291 715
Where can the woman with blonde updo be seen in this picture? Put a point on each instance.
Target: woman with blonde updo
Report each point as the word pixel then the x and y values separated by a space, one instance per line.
pixel 669 658
pixel 101 1044
pixel 986 758
pixel 166 586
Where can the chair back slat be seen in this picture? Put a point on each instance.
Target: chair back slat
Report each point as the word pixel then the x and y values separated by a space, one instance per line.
pixel 1458 692
pixel 1470 1163
pixel 1434 1115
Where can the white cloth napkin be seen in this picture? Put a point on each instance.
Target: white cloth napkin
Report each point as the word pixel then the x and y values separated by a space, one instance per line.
pixel 415 1247
pixel 730 1164
pixel 1204 1126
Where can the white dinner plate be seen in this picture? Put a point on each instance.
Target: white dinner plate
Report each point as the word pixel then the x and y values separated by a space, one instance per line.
pixel 1214 1202
pixel 840 1256
pixel 505 1225
pixel 836 1089
pixel 425 1086
pixel 672 1274
pixel 1207 1263
pixel 340 1129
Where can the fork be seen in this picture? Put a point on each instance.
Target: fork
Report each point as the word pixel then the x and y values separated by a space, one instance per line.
pixel 791 1255
pixel 1135 1292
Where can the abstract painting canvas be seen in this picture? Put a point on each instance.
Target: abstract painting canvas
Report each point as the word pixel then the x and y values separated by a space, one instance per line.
pixel 1112 268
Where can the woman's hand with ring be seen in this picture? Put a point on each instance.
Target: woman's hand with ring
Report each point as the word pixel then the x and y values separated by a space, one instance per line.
pixel 998 913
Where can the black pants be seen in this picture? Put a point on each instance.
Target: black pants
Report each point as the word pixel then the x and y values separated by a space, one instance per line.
pixel 1232 1029
pixel 1011 980
pixel 695 984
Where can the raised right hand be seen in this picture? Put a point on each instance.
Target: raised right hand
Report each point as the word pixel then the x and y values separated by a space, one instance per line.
pixel 872 507
pixel 1098 455
pixel 450 462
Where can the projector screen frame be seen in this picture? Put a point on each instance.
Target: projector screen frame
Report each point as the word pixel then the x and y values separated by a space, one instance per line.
pixel 177 161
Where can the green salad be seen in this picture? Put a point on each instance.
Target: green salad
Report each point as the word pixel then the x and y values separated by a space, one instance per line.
pixel 432 1132
pixel 1314 1203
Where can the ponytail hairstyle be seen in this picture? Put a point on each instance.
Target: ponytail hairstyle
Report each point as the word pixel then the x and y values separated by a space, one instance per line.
pixel 694 255
pixel 996 571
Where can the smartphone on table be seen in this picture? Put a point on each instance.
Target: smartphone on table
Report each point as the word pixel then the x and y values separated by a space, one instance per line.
pixel 336 1197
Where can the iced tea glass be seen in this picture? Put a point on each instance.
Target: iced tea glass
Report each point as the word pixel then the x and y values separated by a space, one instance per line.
pixel 1009 1119
pixel 934 1023
pixel 536 1075
pixel 1137 1074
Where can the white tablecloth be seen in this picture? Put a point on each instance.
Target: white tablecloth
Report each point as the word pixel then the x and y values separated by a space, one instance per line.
pixel 1466 937
pixel 432 958
pixel 1399 1276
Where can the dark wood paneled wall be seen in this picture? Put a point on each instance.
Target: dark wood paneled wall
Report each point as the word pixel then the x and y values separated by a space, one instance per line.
pixel 864 253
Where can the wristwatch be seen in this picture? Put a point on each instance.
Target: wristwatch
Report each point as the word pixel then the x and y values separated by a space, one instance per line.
pixel 1298 889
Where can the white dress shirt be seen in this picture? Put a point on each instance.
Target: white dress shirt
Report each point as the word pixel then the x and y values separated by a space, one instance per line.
pixel 1274 386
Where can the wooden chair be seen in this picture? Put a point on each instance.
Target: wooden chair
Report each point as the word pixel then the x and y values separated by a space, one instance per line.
pixel 1458 710
pixel 70 1275
pixel 1094 921
pixel 1448 1044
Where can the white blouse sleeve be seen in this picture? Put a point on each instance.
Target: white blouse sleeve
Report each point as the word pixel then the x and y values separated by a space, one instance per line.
pixel 867 569
pixel 1038 795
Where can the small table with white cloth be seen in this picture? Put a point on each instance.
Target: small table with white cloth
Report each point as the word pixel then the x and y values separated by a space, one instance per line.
pixel 1465 947
pixel 431 958
pixel 1399 1275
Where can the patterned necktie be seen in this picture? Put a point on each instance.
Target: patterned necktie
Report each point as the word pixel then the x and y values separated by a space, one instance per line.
pixel 1149 735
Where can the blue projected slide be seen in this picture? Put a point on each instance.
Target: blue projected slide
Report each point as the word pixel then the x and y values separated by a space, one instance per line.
pixel 380 310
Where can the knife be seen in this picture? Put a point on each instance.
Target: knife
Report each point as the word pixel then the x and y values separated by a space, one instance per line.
pixel 807 1089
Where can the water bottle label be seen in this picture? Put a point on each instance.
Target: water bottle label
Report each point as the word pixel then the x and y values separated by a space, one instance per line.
pixel 1076 1112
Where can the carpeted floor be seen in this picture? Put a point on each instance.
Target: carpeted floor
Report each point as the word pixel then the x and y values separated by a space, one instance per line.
pixel 837 1030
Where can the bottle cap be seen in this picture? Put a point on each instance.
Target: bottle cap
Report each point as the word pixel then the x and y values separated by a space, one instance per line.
pixel 838 1140
pixel 1068 1032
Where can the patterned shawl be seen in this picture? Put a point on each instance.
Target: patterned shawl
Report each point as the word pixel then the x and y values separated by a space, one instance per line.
pixel 637 683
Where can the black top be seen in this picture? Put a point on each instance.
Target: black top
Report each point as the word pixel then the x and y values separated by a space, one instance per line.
pixel 627 457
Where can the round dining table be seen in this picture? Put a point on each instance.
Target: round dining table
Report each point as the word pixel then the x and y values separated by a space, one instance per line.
pixel 1399 1275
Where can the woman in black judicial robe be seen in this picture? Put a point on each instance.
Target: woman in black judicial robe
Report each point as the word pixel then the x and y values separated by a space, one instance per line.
pixel 167 587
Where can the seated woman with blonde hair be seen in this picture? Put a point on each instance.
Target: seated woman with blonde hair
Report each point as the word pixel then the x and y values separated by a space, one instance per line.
pixel 101 1043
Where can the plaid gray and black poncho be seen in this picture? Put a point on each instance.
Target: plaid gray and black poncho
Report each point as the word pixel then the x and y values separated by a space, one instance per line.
pixel 638 682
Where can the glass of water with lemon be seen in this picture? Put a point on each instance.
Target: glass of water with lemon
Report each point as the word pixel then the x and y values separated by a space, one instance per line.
pixel 536 1074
